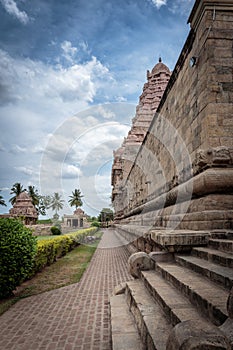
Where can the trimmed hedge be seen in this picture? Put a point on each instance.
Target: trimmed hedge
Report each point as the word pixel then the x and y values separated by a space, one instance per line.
pixel 49 250
pixel 17 252
pixel 22 256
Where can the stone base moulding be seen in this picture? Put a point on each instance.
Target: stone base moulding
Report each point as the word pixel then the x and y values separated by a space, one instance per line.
pixel 191 335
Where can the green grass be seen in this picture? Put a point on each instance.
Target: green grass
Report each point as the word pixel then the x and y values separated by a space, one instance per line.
pixel 44 221
pixel 65 271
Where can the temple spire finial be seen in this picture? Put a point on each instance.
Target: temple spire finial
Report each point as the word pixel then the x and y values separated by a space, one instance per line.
pixel 160 59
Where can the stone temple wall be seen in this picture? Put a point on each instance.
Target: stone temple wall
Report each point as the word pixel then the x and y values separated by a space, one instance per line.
pixel 182 177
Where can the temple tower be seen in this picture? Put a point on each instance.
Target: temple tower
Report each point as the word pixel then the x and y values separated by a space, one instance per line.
pixel 125 156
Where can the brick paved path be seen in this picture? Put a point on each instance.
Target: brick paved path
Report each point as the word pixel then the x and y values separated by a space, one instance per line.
pixel 72 317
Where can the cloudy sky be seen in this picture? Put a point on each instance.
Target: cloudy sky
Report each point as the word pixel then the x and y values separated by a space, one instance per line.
pixel 71 72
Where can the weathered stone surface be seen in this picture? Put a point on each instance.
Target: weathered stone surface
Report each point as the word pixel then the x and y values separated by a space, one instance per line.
pixel 120 289
pixel 161 256
pixel 191 335
pixel 152 324
pixel 209 298
pixel 227 329
pixel 124 332
pixel 139 262
pixel 230 304
pixel 178 240
pixel 179 189
pixel 191 132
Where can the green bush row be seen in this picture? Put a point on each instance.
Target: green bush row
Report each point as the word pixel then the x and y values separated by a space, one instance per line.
pixel 17 251
pixel 21 256
pixel 50 250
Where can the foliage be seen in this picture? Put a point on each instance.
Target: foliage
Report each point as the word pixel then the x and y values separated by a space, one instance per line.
pixel 49 250
pixel 65 271
pixel 56 202
pixel 37 200
pixel 16 190
pixel 76 200
pixel 2 202
pixel 95 224
pixel 33 193
pixel 44 203
pixel 17 251
pixel 106 214
pixel 55 230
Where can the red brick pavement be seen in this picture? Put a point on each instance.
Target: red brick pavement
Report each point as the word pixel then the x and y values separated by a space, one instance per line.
pixel 72 317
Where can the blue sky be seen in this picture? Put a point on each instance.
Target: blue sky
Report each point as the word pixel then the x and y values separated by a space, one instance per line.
pixel 71 73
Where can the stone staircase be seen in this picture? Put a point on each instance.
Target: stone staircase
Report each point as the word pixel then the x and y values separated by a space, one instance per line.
pixel 189 291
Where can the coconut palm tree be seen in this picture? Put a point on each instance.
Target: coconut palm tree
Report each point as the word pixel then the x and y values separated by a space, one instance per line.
pixel 16 190
pixel 2 202
pixel 37 200
pixel 33 193
pixel 56 203
pixel 44 203
pixel 76 200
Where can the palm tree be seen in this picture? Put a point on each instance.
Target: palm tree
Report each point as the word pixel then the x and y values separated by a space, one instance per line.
pixel 33 193
pixel 56 203
pixel 2 202
pixel 76 200
pixel 44 203
pixel 16 190
pixel 37 200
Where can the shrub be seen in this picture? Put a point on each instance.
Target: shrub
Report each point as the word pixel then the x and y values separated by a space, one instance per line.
pixel 49 250
pixel 55 230
pixel 95 224
pixel 17 252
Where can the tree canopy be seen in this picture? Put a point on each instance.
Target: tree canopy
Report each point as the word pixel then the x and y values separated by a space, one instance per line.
pixel 75 199
pixel 16 189
pixel 2 201
pixel 56 203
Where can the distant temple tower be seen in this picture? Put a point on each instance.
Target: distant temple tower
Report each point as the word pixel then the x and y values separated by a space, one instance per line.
pixel 125 156
pixel 24 209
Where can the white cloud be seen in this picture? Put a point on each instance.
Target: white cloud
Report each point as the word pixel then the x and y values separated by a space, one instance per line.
pixel 71 172
pixel 26 170
pixel 69 51
pixel 105 113
pixel 181 6
pixel 12 8
pixel 84 47
pixel 159 3
pixel 31 81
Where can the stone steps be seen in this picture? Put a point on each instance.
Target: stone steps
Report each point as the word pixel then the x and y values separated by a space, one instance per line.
pixel 225 245
pixel 124 333
pixel 176 307
pixel 183 290
pixel 209 298
pixel 216 273
pixel 151 322
pixel 214 255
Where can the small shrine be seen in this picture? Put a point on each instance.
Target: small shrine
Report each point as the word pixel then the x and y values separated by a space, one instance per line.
pixel 24 209
pixel 77 219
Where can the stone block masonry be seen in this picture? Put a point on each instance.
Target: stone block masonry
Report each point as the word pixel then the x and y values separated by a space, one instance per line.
pixel 186 157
